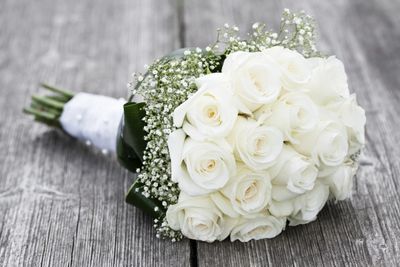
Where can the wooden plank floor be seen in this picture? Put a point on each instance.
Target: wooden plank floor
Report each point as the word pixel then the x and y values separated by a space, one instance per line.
pixel 61 203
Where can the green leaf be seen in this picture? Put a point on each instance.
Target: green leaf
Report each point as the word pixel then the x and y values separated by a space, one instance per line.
pixel 134 127
pixel 150 206
pixel 127 157
pixel 130 148
pixel 130 140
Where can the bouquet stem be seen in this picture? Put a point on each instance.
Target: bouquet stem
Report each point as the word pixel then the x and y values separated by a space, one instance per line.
pixel 47 109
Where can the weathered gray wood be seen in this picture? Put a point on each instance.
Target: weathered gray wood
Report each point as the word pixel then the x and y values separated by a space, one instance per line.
pixel 366 229
pixel 61 204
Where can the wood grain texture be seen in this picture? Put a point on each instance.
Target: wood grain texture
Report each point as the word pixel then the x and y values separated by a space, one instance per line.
pixel 61 203
pixel 363 231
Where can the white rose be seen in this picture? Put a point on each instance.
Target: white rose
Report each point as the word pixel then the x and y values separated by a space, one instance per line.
pixel 258 226
pixel 353 117
pixel 211 112
pixel 248 191
pixel 295 68
pixel 282 208
pixel 340 181
pixel 294 171
pixel 308 205
pixel 255 78
pixel 198 218
pixel 293 113
pixel 328 82
pixel 255 144
pixel 200 167
pixel 327 144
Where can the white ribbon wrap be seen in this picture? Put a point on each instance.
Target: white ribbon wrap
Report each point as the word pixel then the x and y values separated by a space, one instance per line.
pixel 93 119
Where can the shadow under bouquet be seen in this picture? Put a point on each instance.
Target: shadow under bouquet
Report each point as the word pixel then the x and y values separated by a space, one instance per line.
pixel 236 139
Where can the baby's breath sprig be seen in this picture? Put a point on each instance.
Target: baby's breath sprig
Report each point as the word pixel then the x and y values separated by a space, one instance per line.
pixel 296 32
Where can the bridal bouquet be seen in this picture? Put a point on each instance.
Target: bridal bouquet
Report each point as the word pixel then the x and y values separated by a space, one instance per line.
pixel 232 140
